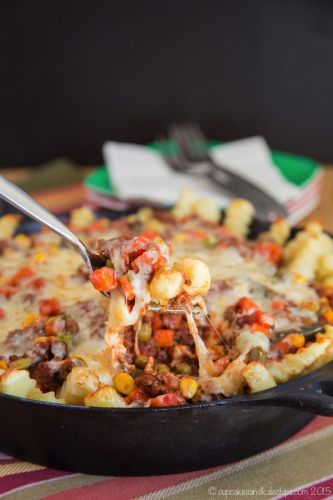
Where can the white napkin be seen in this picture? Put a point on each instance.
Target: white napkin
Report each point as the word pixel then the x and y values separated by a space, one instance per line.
pixel 140 173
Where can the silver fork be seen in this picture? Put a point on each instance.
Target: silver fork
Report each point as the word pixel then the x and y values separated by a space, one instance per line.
pixel 194 153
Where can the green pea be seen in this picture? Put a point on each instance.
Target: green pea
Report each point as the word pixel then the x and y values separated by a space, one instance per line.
pixel 66 338
pixel 141 361
pixel 184 369
pixel 209 242
pixel 145 332
pixel 161 367
pixel 109 263
pixel 21 363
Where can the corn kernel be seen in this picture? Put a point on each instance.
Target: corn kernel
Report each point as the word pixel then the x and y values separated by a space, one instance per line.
pixel 299 278
pixel 297 340
pixel 30 319
pixel 188 387
pixel 124 383
pixel 23 240
pixel 40 257
pixel 329 316
pixel 3 365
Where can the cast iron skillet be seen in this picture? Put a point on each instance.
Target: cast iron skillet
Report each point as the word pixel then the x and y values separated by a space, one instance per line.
pixel 161 440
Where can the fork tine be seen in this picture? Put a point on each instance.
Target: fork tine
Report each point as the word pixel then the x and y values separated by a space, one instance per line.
pixel 197 142
pixel 179 135
pixel 197 132
pixel 172 158
pixel 182 135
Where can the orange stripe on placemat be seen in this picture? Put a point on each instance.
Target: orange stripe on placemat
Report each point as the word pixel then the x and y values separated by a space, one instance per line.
pixel 62 199
pixel 10 467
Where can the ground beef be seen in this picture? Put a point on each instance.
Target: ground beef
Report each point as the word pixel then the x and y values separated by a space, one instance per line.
pixel 72 327
pixel 156 383
pixel 82 272
pixel 106 247
pixel 47 375
pixel 122 225
pixel 45 350
pixel 67 366
pixel 92 312
pixel 28 297
pixel 20 341
pixel 165 216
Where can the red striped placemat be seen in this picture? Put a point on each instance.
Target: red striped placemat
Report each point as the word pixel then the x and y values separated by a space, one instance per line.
pixel 301 466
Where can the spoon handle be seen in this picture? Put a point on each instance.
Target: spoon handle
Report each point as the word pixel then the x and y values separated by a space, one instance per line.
pixel 25 203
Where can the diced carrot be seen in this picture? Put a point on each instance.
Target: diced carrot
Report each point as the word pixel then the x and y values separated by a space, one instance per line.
pixel 156 322
pixel 22 274
pixel 127 287
pixel 7 291
pixel 103 279
pixel 255 327
pixel 278 305
pixel 246 304
pixel 262 319
pixel 169 399
pixel 197 234
pixel 163 338
pixel 143 261
pixel 225 231
pixel 149 234
pixel 223 244
pixel 49 307
pixel 98 225
pixel 138 394
pixel 37 283
pixel 2 313
pixel 269 251
pixel 139 245
pixel 161 262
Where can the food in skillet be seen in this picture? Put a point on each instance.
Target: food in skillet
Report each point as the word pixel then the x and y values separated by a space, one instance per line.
pixel 61 341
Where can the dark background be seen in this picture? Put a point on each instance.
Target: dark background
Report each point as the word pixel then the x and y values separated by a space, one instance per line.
pixel 75 73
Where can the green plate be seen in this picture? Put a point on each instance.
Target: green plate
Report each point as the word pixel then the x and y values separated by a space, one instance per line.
pixel 299 170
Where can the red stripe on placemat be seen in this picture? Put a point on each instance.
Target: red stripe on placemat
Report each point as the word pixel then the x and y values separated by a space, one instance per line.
pixel 317 490
pixel 13 481
pixel 316 424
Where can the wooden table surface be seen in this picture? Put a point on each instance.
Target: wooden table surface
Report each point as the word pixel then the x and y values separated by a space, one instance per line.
pixel 323 213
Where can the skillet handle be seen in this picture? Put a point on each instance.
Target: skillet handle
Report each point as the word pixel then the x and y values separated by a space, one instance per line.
pixel 312 393
pixel 313 402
